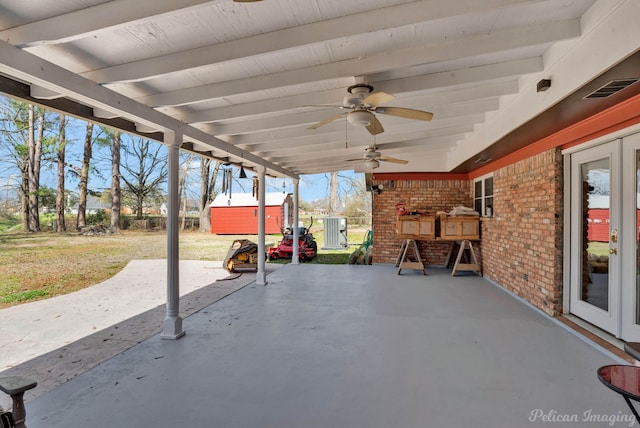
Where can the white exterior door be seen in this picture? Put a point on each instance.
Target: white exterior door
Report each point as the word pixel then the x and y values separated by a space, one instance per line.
pixel 629 238
pixel 595 266
pixel 605 236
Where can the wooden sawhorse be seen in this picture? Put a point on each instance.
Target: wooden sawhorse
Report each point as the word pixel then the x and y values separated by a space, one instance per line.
pixel 404 262
pixel 472 266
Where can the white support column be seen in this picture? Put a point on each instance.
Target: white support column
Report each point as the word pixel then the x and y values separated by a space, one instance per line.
pixel 296 234
pixel 261 275
pixel 172 325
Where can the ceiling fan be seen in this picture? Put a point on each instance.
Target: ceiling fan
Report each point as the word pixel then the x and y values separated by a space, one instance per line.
pixel 373 157
pixel 362 104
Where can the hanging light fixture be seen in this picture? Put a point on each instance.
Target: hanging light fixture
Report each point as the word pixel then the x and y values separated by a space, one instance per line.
pixel 372 163
pixel 361 118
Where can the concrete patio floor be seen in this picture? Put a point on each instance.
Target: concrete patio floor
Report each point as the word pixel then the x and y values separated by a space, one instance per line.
pixel 349 346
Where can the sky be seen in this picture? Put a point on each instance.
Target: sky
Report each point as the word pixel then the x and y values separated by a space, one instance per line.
pixel 312 187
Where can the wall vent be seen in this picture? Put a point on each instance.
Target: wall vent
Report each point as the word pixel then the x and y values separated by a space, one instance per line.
pixel 611 88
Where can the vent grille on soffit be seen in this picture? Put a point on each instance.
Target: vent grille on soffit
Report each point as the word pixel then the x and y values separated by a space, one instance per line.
pixel 611 88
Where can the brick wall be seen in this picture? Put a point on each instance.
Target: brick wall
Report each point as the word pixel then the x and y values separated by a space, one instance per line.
pixel 431 195
pixel 521 247
pixel 522 243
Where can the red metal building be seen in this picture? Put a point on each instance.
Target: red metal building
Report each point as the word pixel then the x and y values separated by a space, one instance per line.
pixel 238 213
pixel 598 226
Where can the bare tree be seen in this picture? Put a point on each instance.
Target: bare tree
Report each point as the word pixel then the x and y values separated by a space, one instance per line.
pixel 333 193
pixel 34 162
pixel 146 170
pixel 115 181
pixel 184 172
pixel 61 225
pixel 81 220
pixel 207 191
pixel 22 139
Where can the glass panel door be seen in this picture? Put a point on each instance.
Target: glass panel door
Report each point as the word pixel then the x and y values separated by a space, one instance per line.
pixel 595 207
pixel 629 241
pixel 595 286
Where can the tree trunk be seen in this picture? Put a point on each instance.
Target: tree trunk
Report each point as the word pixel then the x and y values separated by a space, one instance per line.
pixel 183 219
pixel 24 198
pixel 115 182
pixel 205 222
pixel 207 192
pixel 140 199
pixel 184 170
pixel 33 171
pixel 84 178
pixel 333 193
pixel 61 225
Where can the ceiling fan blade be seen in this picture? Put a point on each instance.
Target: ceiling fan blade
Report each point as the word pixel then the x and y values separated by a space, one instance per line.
pixel 408 113
pixel 390 159
pixel 355 160
pixel 376 127
pixel 327 120
pixel 378 98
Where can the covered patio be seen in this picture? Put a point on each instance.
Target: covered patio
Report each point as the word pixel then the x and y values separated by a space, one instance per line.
pixel 270 86
pixel 349 346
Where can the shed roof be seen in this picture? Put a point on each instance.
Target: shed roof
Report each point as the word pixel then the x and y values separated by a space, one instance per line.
pixel 247 200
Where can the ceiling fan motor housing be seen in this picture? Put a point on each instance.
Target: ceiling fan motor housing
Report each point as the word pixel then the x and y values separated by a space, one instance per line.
pixel 372 154
pixel 356 94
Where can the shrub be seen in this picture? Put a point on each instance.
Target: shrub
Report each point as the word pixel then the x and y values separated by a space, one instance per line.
pixel 99 217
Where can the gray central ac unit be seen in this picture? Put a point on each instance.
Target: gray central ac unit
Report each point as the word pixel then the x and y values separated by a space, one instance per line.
pixel 335 233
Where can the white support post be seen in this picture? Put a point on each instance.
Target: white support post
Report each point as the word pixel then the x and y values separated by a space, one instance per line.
pixel 261 275
pixel 295 259
pixel 172 325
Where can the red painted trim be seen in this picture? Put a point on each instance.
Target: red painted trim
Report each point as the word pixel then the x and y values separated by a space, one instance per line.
pixel 425 176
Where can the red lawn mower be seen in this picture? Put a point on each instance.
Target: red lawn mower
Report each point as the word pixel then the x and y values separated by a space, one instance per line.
pixel 307 247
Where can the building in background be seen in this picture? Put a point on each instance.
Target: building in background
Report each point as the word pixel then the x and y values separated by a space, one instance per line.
pixel 238 213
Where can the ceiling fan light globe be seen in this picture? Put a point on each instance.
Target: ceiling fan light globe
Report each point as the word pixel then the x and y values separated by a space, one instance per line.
pixel 361 118
pixel 371 163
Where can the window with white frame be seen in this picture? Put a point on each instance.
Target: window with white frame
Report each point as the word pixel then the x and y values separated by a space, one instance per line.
pixel 483 195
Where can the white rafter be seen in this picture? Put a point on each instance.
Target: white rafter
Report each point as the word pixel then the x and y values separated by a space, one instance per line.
pixel 399 58
pixel 374 20
pixel 444 79
pixel 92 20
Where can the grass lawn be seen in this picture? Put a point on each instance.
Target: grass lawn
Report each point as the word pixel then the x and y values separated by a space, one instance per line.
pixel 598 248
pixel 42 265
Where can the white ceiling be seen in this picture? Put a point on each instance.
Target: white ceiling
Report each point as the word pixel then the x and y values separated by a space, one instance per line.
pixel 244 75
